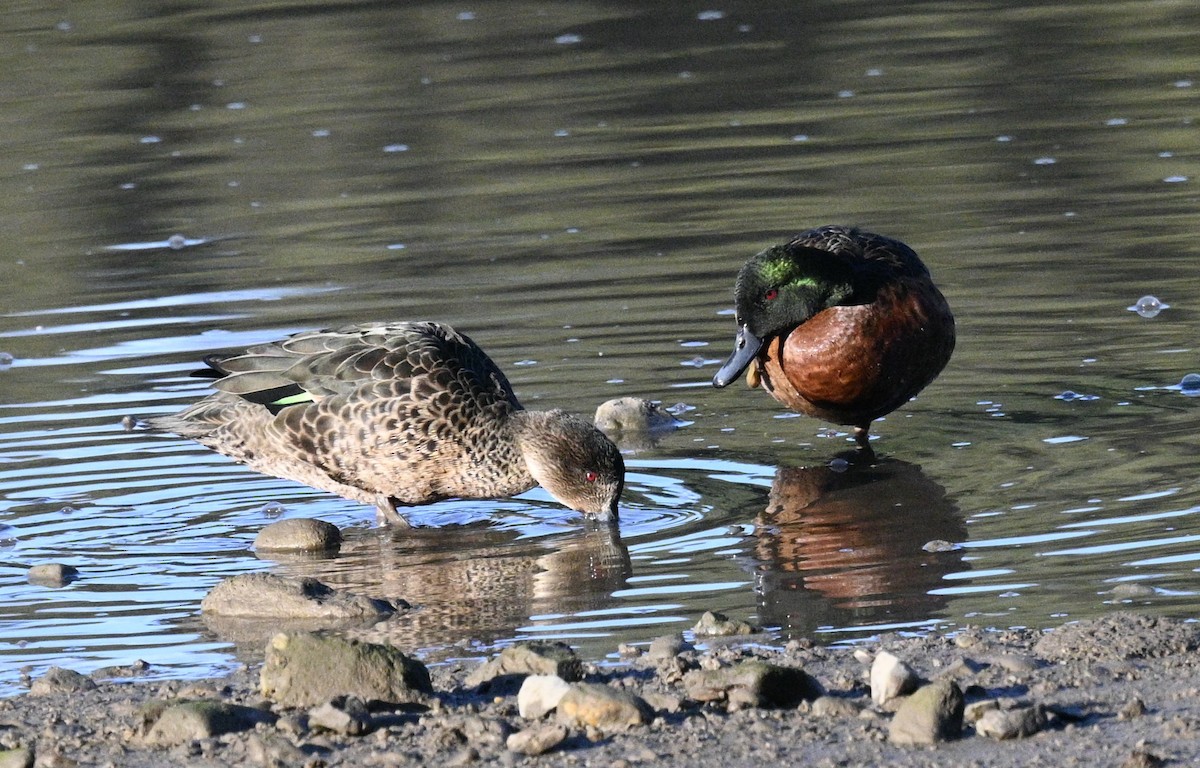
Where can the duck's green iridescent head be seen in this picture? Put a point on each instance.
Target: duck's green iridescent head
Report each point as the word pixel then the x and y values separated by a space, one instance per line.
pixel 779 289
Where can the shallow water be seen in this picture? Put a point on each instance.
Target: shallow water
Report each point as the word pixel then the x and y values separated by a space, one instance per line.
pixel 575 186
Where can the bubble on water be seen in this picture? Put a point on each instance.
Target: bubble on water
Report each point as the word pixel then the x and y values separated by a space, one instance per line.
pixel 1004 139
pixel 321 133
pixel 150 140
pixel 1166 153
pixel 176 242
pixel 698 362
pixel 800 137
pixel 6 361
pixel 845 94
pixel 526 363
pixel 1175 179
pixel 395 148
pixel 1148 306
pixel 561 132
pixel 1045 161
pixel 273 509
pixel 839 464
pixel 710 15
pixel 1117 121
pixel 1190 385
pixel 568 39
pixel 679 409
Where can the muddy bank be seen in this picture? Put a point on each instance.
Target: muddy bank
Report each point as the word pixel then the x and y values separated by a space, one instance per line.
pixel 1120 691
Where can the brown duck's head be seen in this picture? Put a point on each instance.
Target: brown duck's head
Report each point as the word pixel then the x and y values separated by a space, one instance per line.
pixel 574 461
pixel 779 289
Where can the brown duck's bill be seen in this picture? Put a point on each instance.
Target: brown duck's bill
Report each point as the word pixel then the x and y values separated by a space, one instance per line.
pixel 744 351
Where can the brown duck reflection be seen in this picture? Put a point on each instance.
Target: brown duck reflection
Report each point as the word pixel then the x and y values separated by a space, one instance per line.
pixel 473 584
pixel 840 546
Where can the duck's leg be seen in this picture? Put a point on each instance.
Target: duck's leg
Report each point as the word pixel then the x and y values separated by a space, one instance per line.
pixel 387 514
pixel 862 437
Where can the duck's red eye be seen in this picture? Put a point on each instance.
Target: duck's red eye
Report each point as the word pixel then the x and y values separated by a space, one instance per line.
pixel 771 294
pixel 592 476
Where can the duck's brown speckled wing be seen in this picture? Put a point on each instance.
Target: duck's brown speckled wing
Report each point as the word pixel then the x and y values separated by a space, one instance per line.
pixel 402 410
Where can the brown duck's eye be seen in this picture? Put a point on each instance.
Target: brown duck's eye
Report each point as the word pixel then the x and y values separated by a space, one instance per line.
pixel 592 476
pixel 771 294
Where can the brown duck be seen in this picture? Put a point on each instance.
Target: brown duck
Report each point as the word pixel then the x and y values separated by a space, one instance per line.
pixel 397 414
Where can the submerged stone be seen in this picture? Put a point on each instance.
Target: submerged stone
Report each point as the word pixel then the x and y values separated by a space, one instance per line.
pixel 268 596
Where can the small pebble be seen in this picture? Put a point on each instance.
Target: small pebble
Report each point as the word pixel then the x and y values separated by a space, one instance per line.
pixel 52 574
pixel 298 534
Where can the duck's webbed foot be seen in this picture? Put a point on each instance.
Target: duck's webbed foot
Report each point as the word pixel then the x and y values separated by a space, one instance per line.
pixel 387 514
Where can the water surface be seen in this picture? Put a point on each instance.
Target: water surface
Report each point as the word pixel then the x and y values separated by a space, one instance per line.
pixel 575 186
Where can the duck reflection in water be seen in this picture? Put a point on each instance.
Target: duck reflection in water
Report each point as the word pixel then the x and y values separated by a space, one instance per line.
pixel 842 544
pixel 473 583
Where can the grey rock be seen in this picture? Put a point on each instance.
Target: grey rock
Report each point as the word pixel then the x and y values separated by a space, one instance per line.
pixel 667 646
pixel 976 709
pixel 931 714
pixel 52 574
pixel 59 680
pixel 304 669
pixel 1132 590
pixel 1017 664
pixel 1140 758
pixel 267 596
pixel 21 757
pixel 272 750
pixel 1119 637
pixel 940 545
pixel 891 678
pixel 1016 723
pixel 298 534
pixel 166 723
pixel 601 707
pixel 351 721
pixel 135 669
pixel 534 657
pixel 834 706
pixel 752 683
pixel 537 740
pixel 713 624
pixel 540 694
pixel 633 423
pixel 1133 708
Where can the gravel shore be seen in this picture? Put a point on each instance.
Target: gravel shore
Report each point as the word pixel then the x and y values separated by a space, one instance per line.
pixel 1123 690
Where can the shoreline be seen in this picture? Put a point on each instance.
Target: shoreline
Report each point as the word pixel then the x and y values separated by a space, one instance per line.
pixel 1122 690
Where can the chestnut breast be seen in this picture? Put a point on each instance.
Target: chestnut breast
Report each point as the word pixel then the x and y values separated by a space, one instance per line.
pixel 853 364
